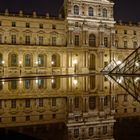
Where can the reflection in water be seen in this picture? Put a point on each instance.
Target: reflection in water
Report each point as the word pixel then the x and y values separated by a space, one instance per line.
pixel 66 108
pixel 82 107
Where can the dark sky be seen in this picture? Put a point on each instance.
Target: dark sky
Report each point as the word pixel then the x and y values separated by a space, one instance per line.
pixel 125 10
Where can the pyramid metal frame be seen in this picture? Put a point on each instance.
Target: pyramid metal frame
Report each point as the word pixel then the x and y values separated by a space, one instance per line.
pixel 130 65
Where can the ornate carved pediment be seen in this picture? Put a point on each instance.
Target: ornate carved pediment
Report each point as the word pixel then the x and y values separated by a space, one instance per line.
pixel 41 32
pixel 54 33
pixel 27 31
pixel 13 31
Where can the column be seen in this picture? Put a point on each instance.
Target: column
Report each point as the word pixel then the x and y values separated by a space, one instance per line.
pixel 112 38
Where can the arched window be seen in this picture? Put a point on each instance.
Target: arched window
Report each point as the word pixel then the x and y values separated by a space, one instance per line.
pixel 40 83
pixel 55 83
pixel 27 60
pixel 104 12
pixel 90 11
pixel 92 40
pixel 76 10
pixel 27 83
pixel 92 65
pixel 55 60
pixel 13 60
pixel 14 84
pixel 41 60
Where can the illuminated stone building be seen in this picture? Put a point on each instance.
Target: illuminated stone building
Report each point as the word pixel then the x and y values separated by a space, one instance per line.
pixel 85 40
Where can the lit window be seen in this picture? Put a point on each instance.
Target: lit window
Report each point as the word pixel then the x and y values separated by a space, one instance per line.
pixel 27 83
pixel 14 60
pixel 40 83
pixel 27 60
pixel 76 10
pixel 40 60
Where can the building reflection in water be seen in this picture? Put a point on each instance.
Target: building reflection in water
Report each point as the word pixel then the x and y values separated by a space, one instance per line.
pixel 78 107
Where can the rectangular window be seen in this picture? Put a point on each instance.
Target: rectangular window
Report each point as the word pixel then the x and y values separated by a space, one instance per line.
pixel 13 103
pixel 76 133
pixel 104 130
pixel 0 23
pixel 134 44
pixel 76 42
pixel 125 98
pixel 125 44
pixel 41 26
pixel 13 84
pixel 41 102
pixel 13 39
pixel 27 118
pixel 53 101
pixel 125 31
pixel 105 41
pixel 41 40
pixel 40 60
pixel 40 117
pixel 116 43
pixel 27 40
pixel 13 24
pixel 134 32
pixel 0 104
pixel 27 103
pixel 90 131
pixel 53 26
pixel 27 25
pixel 0 38
pixel 76 102
pixel 13 119
pixel 53 41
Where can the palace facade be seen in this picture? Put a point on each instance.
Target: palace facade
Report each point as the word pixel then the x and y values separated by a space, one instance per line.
pixel 85 40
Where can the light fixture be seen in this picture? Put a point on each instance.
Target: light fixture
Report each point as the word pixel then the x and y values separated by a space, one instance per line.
pixel 75 82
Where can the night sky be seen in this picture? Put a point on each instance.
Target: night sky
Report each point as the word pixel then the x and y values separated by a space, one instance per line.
pixel 125 10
